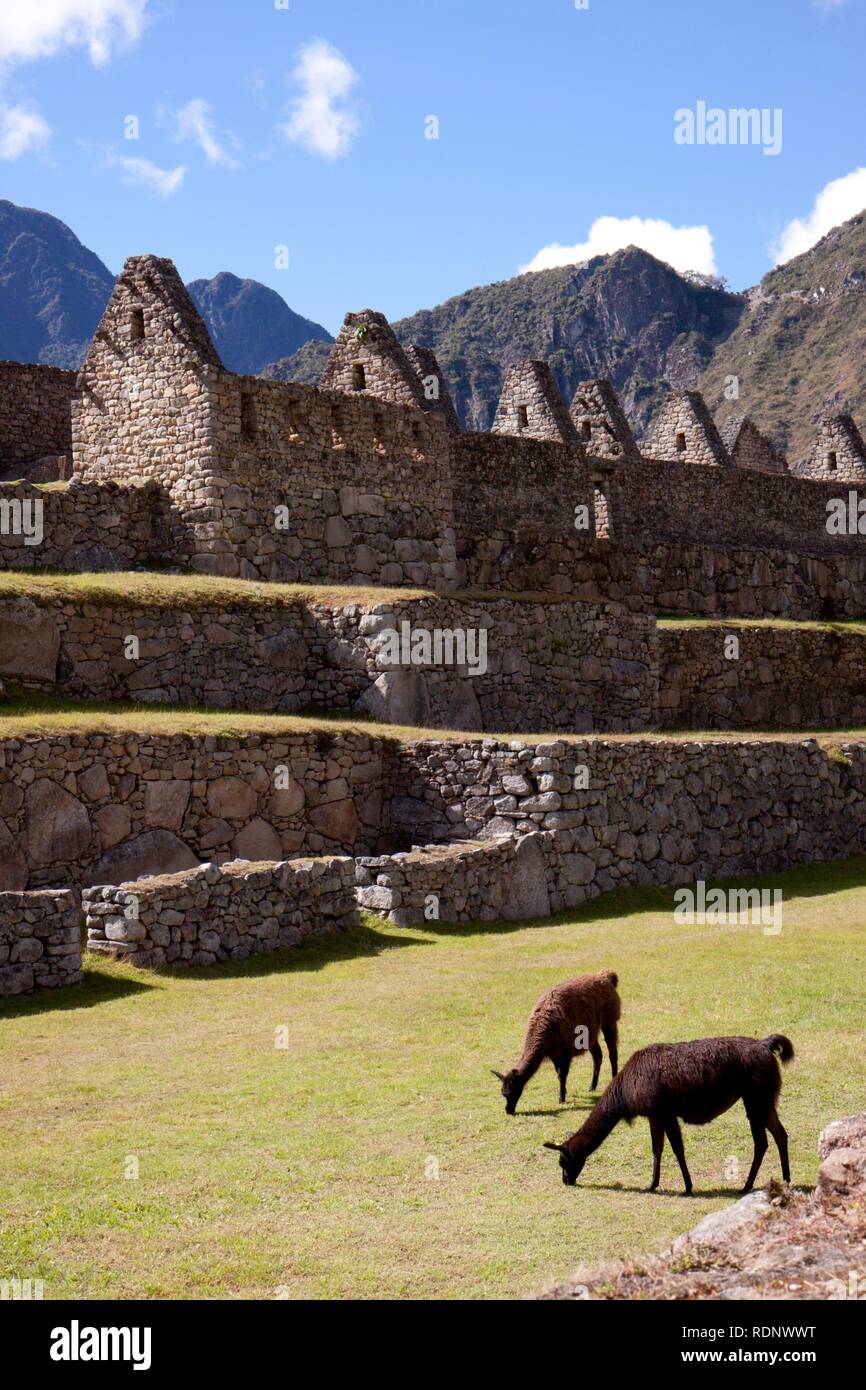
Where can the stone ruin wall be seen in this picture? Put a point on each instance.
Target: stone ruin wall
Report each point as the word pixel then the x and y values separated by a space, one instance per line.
pixel 96 808
pixel 783 678
pixel 35 417
pixel 87 526
pixel 654 812
pixel 553 667
pixel 213 913
pixel 40 941
pixel 346 469
pixel 471 881
pixel 561 665
pixel 107 808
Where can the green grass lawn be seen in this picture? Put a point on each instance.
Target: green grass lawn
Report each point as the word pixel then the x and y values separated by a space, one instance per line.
pixel 312 1169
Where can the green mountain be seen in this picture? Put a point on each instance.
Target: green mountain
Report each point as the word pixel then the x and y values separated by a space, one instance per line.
pixel 628 317
pixel 250 324
pixel 799 350
pixel 52 289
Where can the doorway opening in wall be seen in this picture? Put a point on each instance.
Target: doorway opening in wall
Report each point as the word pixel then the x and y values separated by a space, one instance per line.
pixel 681 444
pixel 359 377
pixel 601 510
pixel 832 462
pixel 136 325
pixel 248 413
pixel 523 417
pixel 586 429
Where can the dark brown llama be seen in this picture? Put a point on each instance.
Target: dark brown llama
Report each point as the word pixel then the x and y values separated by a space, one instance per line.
pixel 694 1082
pixel 589 1003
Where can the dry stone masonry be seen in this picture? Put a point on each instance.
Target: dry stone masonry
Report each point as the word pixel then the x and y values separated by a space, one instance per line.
pixel 684 429
pixel 839 452
pixel 601 423
pixel 215 914
pixel 370 480
pixel 548 547
pixel 749 448
pixel 35 419
pixel 435 662
pixel 40 941
pixel 530 405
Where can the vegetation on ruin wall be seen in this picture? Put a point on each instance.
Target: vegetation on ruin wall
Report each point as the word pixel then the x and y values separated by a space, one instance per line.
pixel 674 621
pixel 304 1169
pixel 24 713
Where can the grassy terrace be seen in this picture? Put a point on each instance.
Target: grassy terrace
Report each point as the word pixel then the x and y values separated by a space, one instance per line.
pixel 24 714
pixel 672 621
pixel 313 1168
pixel 153 589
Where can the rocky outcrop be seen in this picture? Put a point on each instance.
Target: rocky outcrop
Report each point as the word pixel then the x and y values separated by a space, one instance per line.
pixel 773 1244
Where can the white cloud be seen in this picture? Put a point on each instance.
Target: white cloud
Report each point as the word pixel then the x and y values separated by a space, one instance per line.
pixel 317 122
pixel 144 173
pixel 39 28
pixel 20 130
pixel 685 248
pixel 837 201
pixel 195 122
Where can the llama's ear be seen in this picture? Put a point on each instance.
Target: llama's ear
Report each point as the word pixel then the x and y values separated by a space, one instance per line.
pixel 558 1148
pixel 497 1074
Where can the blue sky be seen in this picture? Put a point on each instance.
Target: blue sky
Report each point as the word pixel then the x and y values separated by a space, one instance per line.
pixel 303 126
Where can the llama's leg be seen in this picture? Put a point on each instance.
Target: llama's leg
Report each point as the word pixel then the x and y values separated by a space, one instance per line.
pixel 597 1059
pixel 562 1064
pixel 777 1129
pixel 657 1134
pixel 675 1139
pixel 758 1121
pixel 611 1038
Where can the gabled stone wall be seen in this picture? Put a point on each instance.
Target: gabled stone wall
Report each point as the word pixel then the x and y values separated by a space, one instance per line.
pixel 531 407
pixel 839 453
pixel 685 430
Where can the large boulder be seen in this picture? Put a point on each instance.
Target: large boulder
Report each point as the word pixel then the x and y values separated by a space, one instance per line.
pixel 461 709
pixel 337 820
pixel 165 803
pixel 287 800
pixel 29 641
pixel 258 842
pixel 154 852
pixel 528 895
pixel 842 1147
pixel 230 798
pixel 397 697
pixel 287 651
pixel 58 826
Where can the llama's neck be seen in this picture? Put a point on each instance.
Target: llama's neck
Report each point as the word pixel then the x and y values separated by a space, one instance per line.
pixel 530 1061
pixel 605 1116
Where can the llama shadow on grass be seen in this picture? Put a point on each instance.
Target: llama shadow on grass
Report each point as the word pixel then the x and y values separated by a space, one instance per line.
pixel 561 1112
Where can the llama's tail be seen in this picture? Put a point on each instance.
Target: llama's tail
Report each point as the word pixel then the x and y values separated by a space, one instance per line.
pixel 782 1046
pixel 611 977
